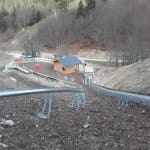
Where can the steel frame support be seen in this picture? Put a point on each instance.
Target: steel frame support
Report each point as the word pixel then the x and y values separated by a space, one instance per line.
pixel 125 98
pixel 78 100
pixel 46 109
pixel 123 102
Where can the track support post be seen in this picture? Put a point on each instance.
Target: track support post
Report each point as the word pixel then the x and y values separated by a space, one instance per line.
pixel 77 100
pixel 46 109
pixel 123 102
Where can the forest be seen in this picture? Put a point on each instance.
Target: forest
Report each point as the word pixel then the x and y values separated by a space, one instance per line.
pixel 122 26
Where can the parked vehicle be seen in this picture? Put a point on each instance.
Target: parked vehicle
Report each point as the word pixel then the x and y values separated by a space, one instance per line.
pixel 27 55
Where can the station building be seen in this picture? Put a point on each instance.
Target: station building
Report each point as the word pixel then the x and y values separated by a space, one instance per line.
pixel 67 64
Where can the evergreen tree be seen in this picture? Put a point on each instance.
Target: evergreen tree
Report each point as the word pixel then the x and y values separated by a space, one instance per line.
pixel 3 25
pixel 35 17
pixel 38 16
pixel 80 10
pixel 4 12
pixel 91 4
pixel 14 24
pixel 63 4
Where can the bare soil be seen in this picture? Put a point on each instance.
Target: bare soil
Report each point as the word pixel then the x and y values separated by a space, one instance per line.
pixel 100 124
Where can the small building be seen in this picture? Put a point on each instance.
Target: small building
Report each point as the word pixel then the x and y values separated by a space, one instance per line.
pixel 88 74
pixel 58 56
pixel 66 64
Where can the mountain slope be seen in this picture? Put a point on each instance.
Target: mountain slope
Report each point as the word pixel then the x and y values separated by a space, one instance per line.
pixel 9 5
pixel 135 77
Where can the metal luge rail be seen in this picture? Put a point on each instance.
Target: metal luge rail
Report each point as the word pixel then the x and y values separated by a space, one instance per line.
pixel 78 100
pixel 124 97
pixel 7 93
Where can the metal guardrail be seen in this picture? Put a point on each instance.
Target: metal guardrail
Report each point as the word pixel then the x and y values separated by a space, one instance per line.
pixel 8 93
pixel 124 97
pixel 44 76
pixel 59 81
pixel 71 84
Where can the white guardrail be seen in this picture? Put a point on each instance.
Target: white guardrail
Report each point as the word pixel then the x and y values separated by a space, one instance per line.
pixel 38 59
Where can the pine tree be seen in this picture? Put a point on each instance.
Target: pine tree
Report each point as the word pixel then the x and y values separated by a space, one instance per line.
pixel 3 25
pixel 38 16
pixel 14 24
pixel 63 4
pixel 33 18
pixel 91 4
pixel 4 12
pixel 80 10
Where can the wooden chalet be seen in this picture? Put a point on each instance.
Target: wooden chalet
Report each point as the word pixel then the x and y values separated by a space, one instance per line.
pixel 66 64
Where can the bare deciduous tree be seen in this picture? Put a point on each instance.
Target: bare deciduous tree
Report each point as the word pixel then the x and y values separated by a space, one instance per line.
pixel 121 25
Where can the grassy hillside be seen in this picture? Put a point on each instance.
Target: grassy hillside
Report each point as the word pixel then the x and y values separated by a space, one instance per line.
pixel 133 77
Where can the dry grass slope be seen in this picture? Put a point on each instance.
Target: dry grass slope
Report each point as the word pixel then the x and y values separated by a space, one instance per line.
pixel 135 77
pixel 9 5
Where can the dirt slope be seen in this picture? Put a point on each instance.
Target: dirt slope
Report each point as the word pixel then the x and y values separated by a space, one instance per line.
pixel 135 77
pixel 99 125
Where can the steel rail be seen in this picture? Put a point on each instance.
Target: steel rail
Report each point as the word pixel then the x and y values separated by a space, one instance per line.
pixel 8 93
pixel 122 95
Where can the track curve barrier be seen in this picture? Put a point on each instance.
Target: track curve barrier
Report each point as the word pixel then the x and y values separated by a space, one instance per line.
pixel 12 65
pixel 124 97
